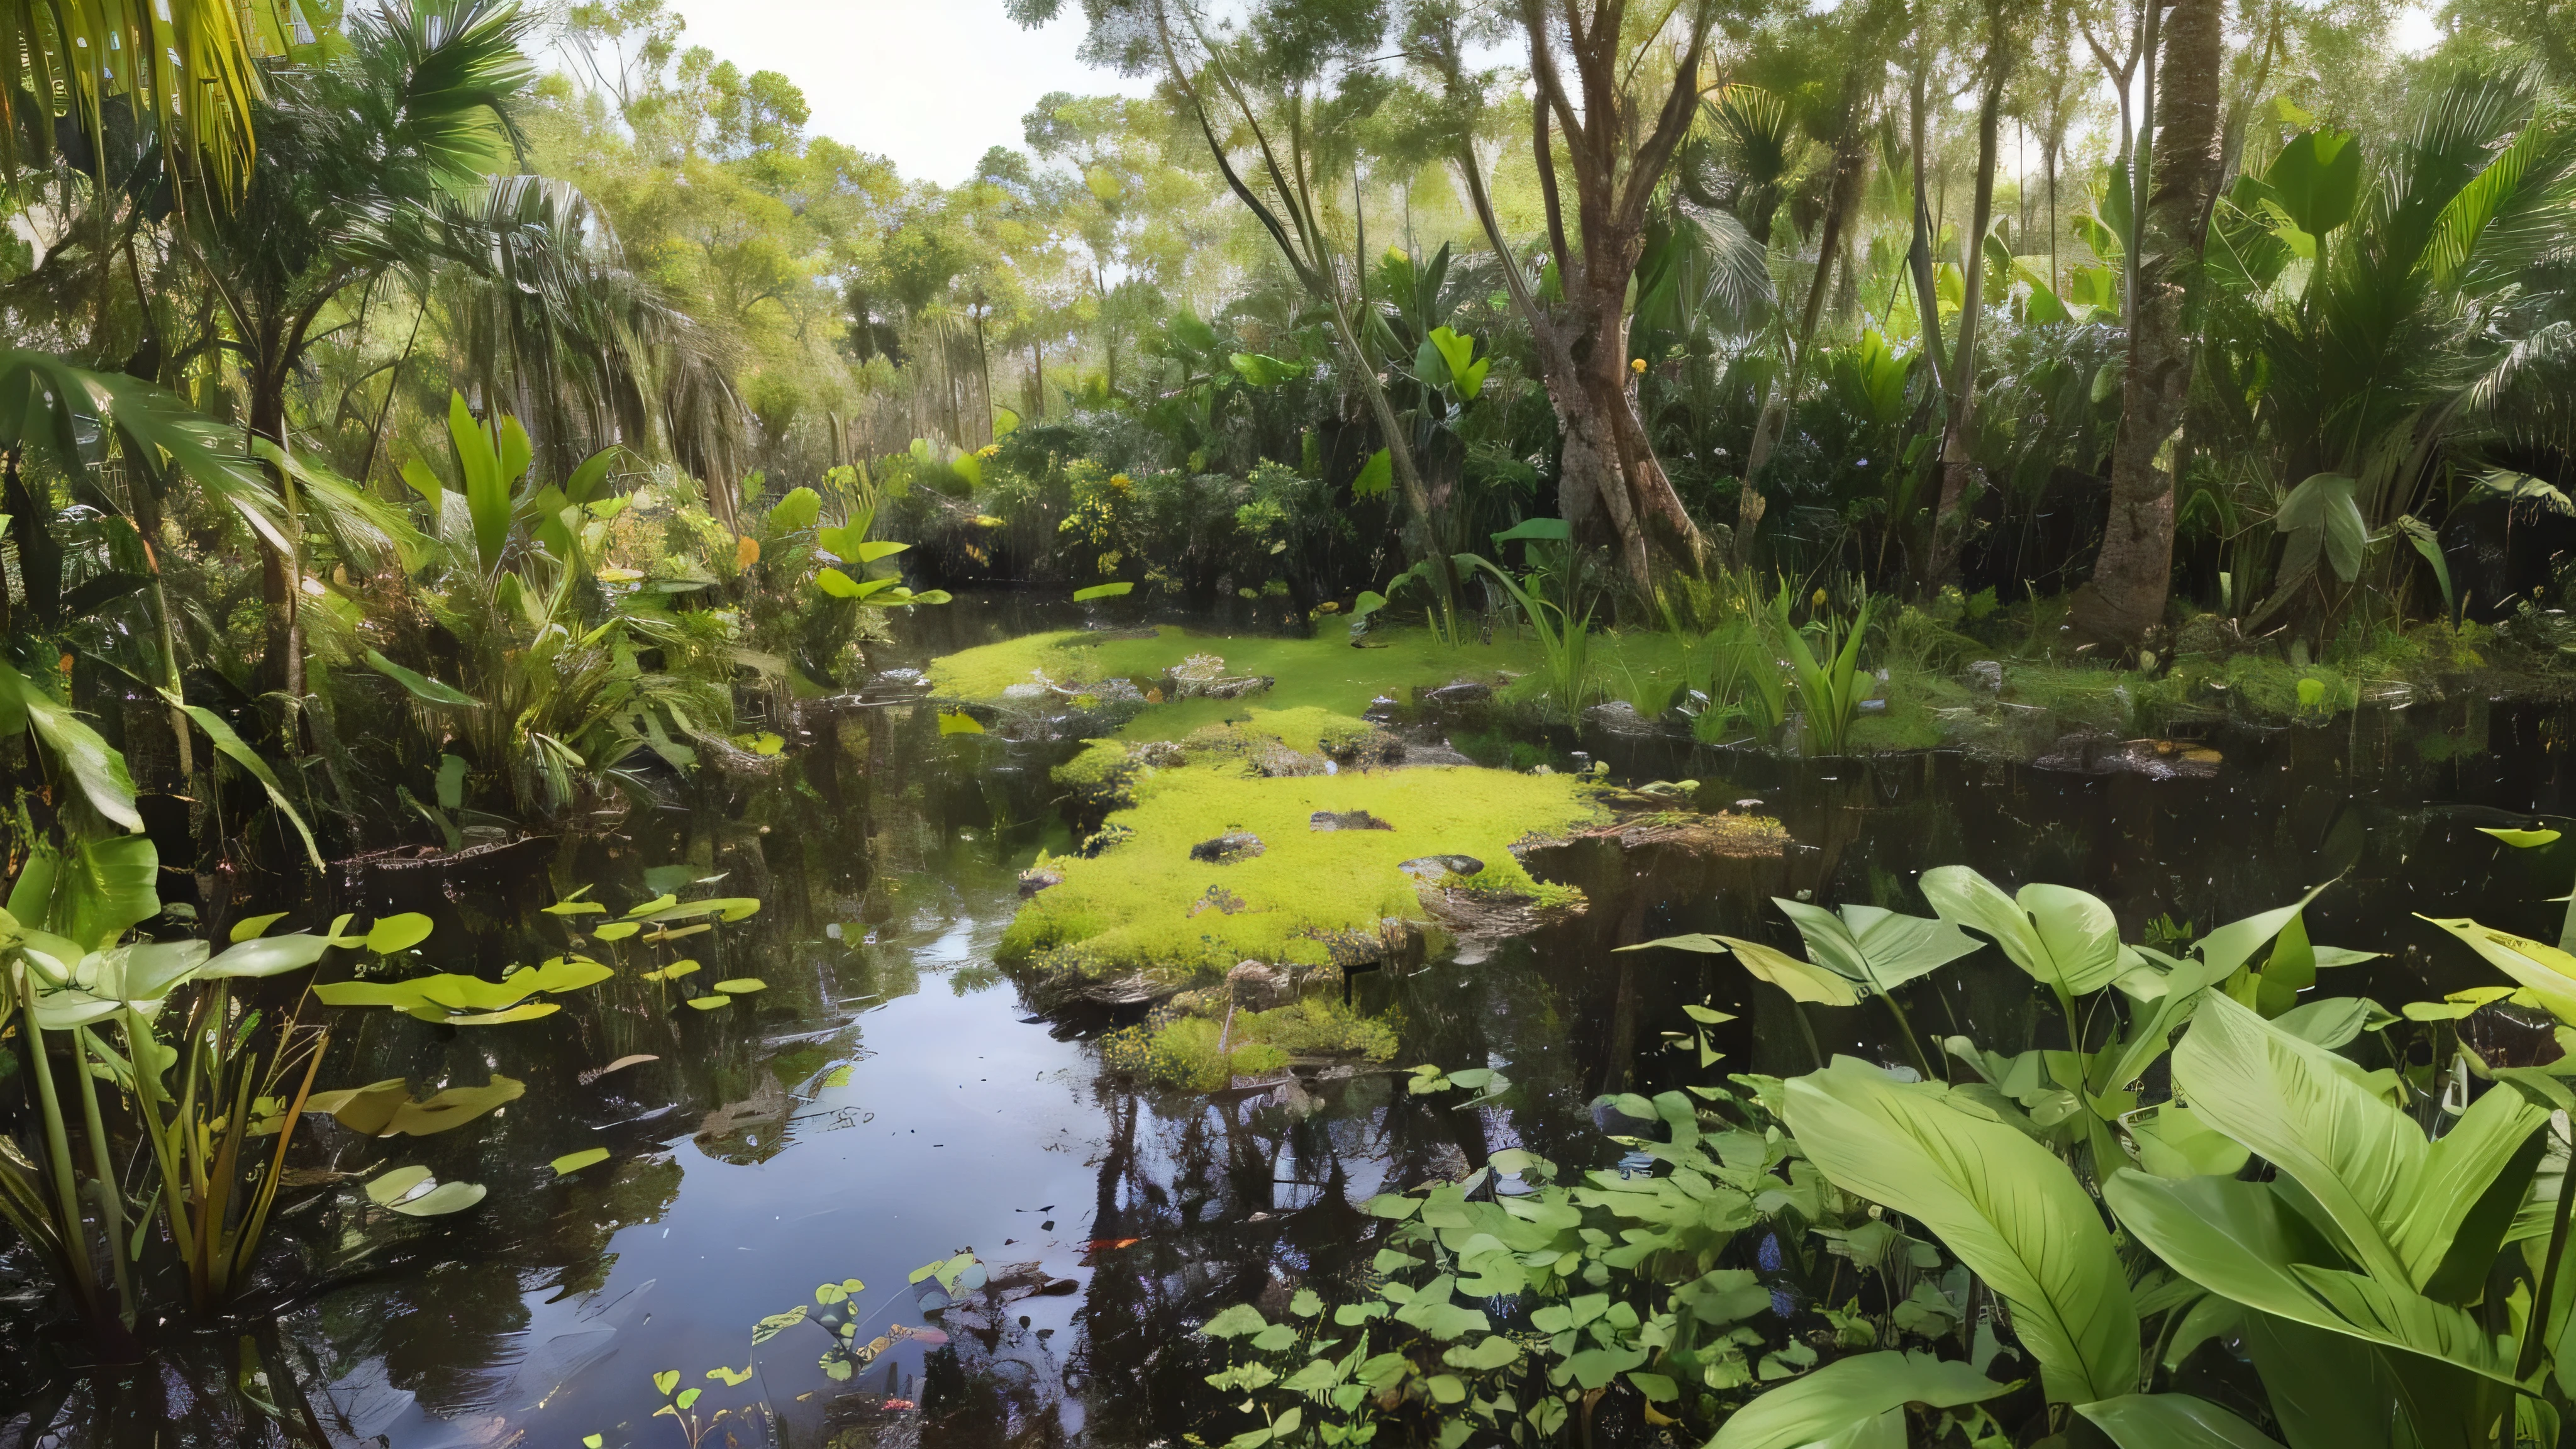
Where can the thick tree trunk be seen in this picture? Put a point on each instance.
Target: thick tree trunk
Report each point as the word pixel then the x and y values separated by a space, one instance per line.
pixel 2133 574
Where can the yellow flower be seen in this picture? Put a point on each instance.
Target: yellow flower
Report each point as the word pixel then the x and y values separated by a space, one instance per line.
pixel 1820 598
pixel 1121 481
pixel 1637 365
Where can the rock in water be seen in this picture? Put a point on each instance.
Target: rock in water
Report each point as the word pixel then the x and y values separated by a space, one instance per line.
pixel 1225 849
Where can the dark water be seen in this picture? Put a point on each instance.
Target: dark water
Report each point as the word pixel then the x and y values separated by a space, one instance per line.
pixel 890 1099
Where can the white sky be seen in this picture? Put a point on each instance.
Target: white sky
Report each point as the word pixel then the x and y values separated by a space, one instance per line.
pixel 946 80
pixel 931 83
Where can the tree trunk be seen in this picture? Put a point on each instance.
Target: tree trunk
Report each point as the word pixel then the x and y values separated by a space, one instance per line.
pixel 282 664
pixel 1958 474
pixel 2133 574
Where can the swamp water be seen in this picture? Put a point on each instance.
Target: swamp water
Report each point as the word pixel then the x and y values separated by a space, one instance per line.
pixel 890 1099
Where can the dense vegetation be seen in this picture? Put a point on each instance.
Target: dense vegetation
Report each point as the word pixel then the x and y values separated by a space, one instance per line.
pixel 404 443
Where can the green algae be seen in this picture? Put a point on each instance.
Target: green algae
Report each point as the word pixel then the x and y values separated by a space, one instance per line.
pixel 1143 903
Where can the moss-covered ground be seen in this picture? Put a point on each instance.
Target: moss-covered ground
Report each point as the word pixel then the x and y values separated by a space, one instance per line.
pixel 1143 902
pixel 1321 673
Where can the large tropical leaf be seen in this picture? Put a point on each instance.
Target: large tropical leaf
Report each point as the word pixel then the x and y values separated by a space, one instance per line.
pixel 2004 1204
pixel 50 405
pixel 2063 937
pixel 1878 948
pixel 2241 1241
pixel 2547 971
pixel 2172 1421
pixel 1850 1393
pixel 2398 1198
pixel 233 748
pixel 76 749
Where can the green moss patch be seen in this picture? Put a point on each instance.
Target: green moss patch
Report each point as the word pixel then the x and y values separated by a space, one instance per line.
pixel 1142 902
pixel 1190 1043
pixel 1324 671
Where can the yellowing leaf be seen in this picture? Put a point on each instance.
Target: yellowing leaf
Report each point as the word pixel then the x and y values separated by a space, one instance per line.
pixel 572 1162
pixel 742 986
pixel 2524 839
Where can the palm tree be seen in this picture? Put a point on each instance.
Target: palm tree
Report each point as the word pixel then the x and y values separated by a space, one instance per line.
pixel 419 103
pixel 550 322
pixel 2439 309
pixel 185 66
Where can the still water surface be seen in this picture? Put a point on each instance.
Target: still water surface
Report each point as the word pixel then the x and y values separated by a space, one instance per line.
pixel 891 1099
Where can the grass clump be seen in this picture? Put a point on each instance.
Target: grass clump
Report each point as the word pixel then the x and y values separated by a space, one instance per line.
pixel 1190 1044
pixel 1143 902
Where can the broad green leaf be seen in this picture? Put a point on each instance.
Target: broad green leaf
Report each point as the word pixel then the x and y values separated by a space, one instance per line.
pixel 1850 1392
pixel 1104 591
pixel 100 889
pixel 2398 1198
pixel 742 986
pixel 77 750
pixel 838 584
pixel 384 1190
pixel 2004 1204
pixel 1972 901
pixel 572 1162
pixel 487 490
pixel 2317 180
pixel 2520 839
pixel 398 933
pixel 249 927
pixel 800 509
pixel 2172 1421
pixel 268 956
pixel 1375 476
pixel 422 687
pixel 2546 971
pixel 2242 1241
pixel 1239 1321
pixel 1878 948
pixel 232 747
pixel 1803 982
pixel 447 1197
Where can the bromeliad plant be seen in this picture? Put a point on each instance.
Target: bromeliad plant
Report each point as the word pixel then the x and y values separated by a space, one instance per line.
pixel 2385 1245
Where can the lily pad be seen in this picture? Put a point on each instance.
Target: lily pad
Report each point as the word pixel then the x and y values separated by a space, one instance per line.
pixel 447 1197
pixel 672 972
pixel 572 1162
pixel 398 933
pixel 742 986
pixel 616 930
pixel 394 1185
pixel 710 1003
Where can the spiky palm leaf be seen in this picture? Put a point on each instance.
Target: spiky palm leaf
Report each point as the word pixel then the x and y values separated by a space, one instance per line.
pixel 184 66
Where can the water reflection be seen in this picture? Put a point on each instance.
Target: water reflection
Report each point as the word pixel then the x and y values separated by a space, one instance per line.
pixel 891 1098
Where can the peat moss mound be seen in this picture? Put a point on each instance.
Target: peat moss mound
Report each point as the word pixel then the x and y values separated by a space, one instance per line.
pixel 1210 866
